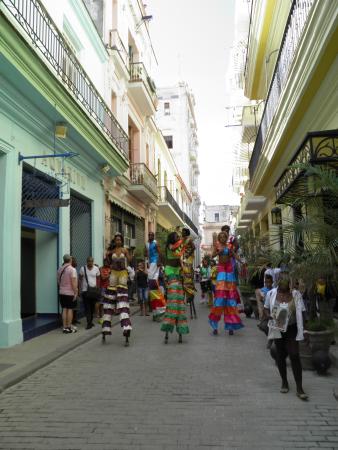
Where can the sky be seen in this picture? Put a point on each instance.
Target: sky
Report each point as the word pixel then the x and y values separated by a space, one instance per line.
pixel 192 41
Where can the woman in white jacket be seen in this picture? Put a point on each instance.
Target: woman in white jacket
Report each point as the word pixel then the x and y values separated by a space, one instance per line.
pixel 287 305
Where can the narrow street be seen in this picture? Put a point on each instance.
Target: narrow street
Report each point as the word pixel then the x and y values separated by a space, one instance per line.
pixel 208 393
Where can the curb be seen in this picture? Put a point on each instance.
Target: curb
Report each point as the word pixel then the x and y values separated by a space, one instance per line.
pixel 44 361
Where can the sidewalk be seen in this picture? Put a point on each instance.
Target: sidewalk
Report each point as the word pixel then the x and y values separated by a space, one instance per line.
pixel 20 361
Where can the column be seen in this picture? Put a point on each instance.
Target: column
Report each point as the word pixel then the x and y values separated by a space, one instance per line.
pixel 10 246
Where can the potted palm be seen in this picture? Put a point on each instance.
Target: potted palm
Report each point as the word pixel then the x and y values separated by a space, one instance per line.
pixel 311 247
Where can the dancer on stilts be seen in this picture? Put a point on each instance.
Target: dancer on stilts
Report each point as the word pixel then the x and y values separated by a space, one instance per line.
pixel 188 270
pixel 226 296
pixel 117 292
pixel 153 255
pixel 175 314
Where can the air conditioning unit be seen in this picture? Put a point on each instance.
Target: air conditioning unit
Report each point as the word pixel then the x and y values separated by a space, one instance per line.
pixel 133 243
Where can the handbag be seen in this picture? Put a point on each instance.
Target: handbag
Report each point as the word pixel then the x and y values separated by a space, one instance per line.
pixel 93 292
pixel 263 326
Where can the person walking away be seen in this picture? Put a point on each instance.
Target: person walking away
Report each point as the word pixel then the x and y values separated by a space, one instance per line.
pixel 117 291
pixel 285 309
pixel 68 292
pixel 205 277
pixel 226 295
pixel 89 281
pixel 77 302
pixel 175 314
pixel 142 287
pixel 152 254
pixel 188 257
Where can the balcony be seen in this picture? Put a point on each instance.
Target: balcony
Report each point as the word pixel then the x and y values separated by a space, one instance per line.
pixel 293 33
pixel 37 27
pixel 119 52
pixel 190 224
pixel 170 209
pixel 317 148
pixel 143 183
pixel 142 89
pixel 251 117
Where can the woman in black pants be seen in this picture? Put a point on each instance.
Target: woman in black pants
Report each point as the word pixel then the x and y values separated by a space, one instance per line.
pixel 286 342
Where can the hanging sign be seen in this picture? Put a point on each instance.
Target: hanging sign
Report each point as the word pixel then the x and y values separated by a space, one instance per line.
pixel 46 203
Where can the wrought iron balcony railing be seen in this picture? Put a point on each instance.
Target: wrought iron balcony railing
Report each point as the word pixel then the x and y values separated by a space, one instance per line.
pixel 164 196
pixel 117 44
pixel 141 175
pixel 317 148
pixel 190 223
pixel 45 37
pixel 138 72
pixel 298 16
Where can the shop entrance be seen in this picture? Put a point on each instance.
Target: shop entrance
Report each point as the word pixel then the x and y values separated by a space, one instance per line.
pixel 28 291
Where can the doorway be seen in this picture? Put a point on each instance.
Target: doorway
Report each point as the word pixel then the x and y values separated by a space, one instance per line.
pixel 28 276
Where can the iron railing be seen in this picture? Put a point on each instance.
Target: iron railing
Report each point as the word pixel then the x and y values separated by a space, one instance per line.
pixel 47 40
pixel 317 148
pixel 138 72
pixel 297 19
pixel 164 196
pixel 117 44
pixel 141 175
pixel 190 223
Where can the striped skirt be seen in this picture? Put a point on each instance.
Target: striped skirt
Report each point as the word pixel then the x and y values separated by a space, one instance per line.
pixel 226 299
pixel 116 295
pixel 175 315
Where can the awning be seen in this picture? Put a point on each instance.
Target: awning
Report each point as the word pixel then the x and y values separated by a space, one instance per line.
pixel 124 206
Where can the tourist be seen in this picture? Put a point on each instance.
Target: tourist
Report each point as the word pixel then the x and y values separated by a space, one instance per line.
pixel 89 276
pixel 175 314
pixel 188 270
pixel 205 279
pixel 226 296
pixel 68 292
pixel 142 288
pixel 285 309
pixel 117 291
pixel 152 254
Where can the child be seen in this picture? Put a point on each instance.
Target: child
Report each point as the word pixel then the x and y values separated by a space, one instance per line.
pixel 205 275
pixel 142 287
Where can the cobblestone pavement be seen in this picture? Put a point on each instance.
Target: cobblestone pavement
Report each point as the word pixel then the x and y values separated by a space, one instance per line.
pixel 208 393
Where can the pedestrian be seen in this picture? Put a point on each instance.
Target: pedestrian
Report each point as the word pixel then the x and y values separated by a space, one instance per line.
pixel 205 280
pixel 188 270
pixel 90 291
pixel 142 287
pixel 68 292
pixel 285 309
pixel 226 296
pixel 152 254
pixel 117 291
pixel 175 314
pixel 77 306
pixel 104 283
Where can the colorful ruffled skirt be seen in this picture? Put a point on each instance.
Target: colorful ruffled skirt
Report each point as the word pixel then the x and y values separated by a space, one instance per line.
pixel 156 297
pixel 226 299
pixel 116 295
pixel 175 314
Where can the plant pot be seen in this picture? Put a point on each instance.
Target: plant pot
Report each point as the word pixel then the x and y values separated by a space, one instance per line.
pixel 320 340
pixel 305 354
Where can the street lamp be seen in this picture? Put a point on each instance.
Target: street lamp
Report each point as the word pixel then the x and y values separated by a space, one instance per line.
pixel 276 216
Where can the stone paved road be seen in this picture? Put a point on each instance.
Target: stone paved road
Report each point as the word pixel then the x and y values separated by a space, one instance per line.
pixel 209 393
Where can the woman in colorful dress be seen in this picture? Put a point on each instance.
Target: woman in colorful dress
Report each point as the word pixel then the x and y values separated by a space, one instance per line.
pixel 117 291
pixel 226 296
pixel 175 314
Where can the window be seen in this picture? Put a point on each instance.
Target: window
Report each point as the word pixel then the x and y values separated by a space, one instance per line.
pixel 166 108
pixel 169 141
pixel 216 217
pixel 129 233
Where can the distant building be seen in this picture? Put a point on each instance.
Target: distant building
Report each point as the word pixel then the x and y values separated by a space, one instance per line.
pixel 215 216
